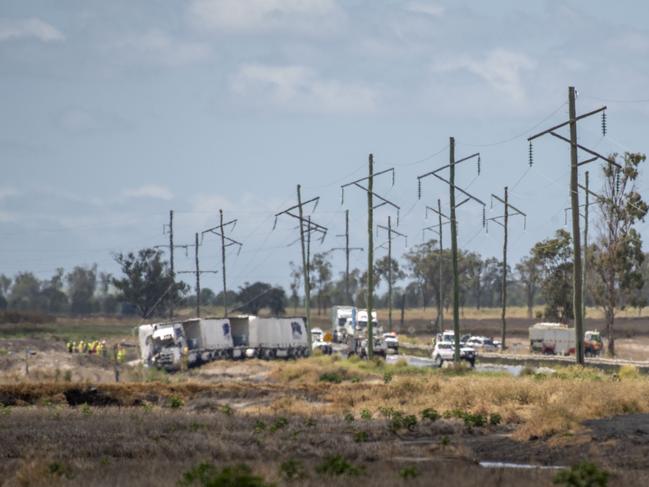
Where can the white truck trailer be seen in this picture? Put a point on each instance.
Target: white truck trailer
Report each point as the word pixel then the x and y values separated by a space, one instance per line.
pixel 349 321
pixel 270 338
pixel 552 338
pixel 208 339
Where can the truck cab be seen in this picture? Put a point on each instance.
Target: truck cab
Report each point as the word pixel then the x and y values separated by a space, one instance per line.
pixel 167 345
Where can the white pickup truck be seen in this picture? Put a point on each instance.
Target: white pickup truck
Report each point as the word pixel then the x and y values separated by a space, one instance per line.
pixel 443 352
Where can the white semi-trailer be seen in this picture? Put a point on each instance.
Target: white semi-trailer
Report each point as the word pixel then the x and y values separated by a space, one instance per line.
pixel 208 339
pixel 270 338
pixel 552 338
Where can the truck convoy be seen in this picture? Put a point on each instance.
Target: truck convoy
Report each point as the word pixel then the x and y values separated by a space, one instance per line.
pixel 200 340
pixel 558 339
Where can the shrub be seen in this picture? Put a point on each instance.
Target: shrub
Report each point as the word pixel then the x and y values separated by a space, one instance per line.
pixel 361 436
pixel 336 465
pixel 67 376
pixel 332 377
pixel 227 409
pixel 292 470
pixel 175 402
pixel 430 414
pixel 259 426
pixel 584 474
pixel 366 414
pixel 85 409
pixel 495 419
pixel 279 423
pixel 60 470
pixel 628 372
pixel 408 472
pixel 400 421
pixel 207 475
pixel 349 417
pixel 387 377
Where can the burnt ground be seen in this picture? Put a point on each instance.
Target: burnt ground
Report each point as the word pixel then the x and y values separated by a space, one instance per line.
pixel 139 446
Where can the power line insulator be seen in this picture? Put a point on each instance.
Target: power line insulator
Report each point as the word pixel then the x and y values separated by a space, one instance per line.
pixel 617 180
pixel 531 154
pixel 603 123
pixel 419 188
pixel 484 217
pixel 478 164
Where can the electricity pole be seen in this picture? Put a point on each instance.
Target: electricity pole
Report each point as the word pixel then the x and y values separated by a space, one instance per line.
pixel 390 233
pixel 225 242
pixel 347 250
pixel 197 272
pixel 438 230
pixel 370 237
pixel 586 205
pixel 454 251
pixel 505 225
pixel 574 200
pixel 310 227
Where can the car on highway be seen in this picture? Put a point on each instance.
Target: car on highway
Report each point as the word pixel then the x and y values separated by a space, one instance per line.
pixel 318 342
pixel 444 352
pixel 481 343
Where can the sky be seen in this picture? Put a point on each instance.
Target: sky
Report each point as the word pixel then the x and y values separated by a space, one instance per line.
pixel 114 113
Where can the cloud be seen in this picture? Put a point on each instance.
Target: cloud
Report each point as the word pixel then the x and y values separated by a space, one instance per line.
pixel 153 191
pixel 8 193
pixel 428 8
pixel 160 48
pixel 32 28
pixel 500 68
pixel 264 15
pixel 298 88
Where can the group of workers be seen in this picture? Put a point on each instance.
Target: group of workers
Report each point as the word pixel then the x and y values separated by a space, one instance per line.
pixel 96 347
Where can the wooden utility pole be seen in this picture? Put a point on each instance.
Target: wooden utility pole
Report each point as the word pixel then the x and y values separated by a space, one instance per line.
pixel 370 238
pixel 505 224
pixel 585 267
pixel 197 272
pixel 456 277
pixel 576 236
pixel 370 257
pixel 305 265
pixel 578 269
pixel 226 242
pixel 171 258
pixel 453 220
pixel 348 250
pixel 440 310
pixel 310 227
pixel 391 232
pixel 198 279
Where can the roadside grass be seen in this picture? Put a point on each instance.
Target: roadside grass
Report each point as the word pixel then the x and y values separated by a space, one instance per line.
pixel 69 329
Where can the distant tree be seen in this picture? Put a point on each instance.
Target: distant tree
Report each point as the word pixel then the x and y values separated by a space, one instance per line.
pixel 208 298
pixel 296 280
pixel 424 262
pixel 529 276
pixel 147 283
pixel 232 299
pixel 276 301
pixel 554 256
pixel 82 283
pixel 26 292
pixel 53 297
pixel 321 268
pixel 5 284
pixel 107 300
pixel 253 297
pixel 617 256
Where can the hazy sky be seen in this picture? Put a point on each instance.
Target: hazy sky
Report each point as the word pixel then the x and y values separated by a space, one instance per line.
pixel 114 112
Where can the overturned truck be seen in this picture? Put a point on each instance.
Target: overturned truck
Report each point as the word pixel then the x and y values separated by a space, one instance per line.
pixel 199 340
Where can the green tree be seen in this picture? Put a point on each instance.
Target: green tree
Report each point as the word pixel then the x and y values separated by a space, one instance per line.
pixel 53 299
pixel 147 283
pixel 82 283
pixel 26 292
pixel 321 268
pixel 5 285
pixel 617 255
pixel 529 276
pixel 554 257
